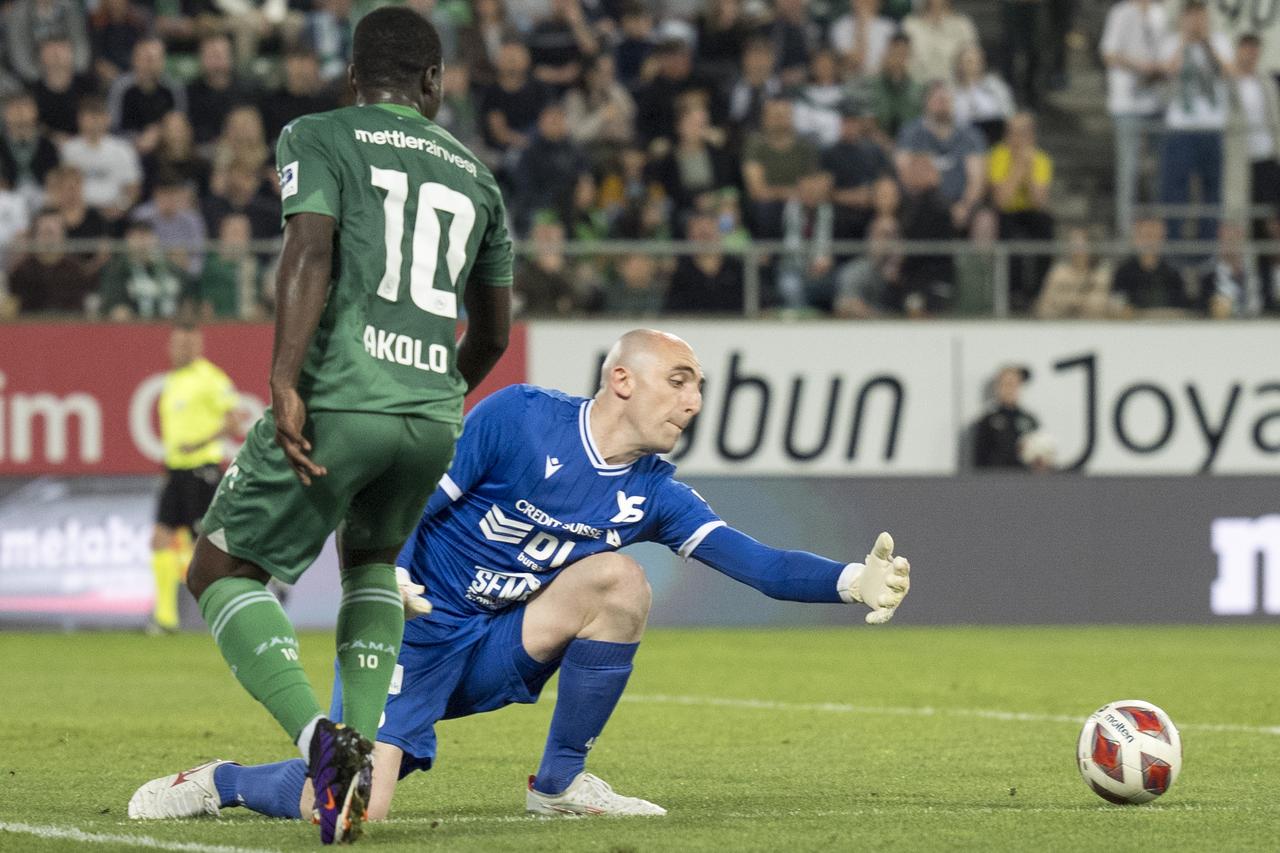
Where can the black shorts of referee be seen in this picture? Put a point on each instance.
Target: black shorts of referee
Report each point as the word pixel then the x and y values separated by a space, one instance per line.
pixel 186 495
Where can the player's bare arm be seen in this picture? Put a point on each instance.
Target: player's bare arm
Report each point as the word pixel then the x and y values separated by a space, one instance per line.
pixel 488 329
pixel 306 263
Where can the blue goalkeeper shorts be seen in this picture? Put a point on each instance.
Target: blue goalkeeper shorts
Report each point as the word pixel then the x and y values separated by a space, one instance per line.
pixel 453 669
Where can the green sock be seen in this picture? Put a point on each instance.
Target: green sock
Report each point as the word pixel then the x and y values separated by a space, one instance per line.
pixel 370 626
pixel 257 639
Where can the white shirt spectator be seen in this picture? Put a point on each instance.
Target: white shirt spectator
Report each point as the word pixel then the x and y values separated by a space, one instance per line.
pixel 1135 33
pixel 108 167
pixel 1198 93
pixel 1258 108
pixel 935 44
pixel 989 98
pixel 15 217
pixel 844 38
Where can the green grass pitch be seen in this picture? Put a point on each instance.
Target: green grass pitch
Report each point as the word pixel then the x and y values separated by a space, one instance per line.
pixel 896 738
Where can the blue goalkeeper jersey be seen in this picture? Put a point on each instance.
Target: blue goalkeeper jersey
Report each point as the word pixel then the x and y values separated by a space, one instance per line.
pixel 528 494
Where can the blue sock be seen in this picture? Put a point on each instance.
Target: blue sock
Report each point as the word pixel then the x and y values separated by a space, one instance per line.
pixel 269 789
pixel 593 675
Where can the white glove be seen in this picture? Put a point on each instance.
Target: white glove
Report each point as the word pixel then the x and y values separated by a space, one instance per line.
pixel 411 594
pixel 880 583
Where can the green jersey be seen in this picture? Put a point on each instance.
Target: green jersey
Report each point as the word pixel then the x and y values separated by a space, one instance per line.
pixel 418 217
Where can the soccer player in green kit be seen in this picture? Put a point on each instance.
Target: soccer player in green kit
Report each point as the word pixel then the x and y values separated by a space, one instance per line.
pixel 390 223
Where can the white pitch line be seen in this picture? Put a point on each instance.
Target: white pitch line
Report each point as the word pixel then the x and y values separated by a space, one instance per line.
pixel 80 836
pixel 924 711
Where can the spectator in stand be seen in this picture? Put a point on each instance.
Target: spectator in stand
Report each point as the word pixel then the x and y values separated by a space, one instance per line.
pixel 1131 46
pixel 64 190
pixel 1021 175
pixel 957 151
pixel 211 96
pixel 560 43
pixel 1078 286
pixel 178 228
pixel 896 97
pixel 115 28
pixel 1257 106
pixel 860 38
pixel 241 192
pixel 756 84
pixel 794 35
pixel 30 23
pixel 49 280
pixel 547 170
pixel 636 288
pixel 1022 42
pixel 886 198
pixel 982 99
pixel 974 294
pixel 696 165
pixel 1146 284
pixel 243 140
pixel 855 163
pixel 817 110
pixel 230 285
pixel 635 48
pixel 250 23
pixel 327 34
pixel 772 162
pixel 707 282
pixel 601 111
pixel 110 165
pixel 480 41
pixel 938 35
pixel 1198 64
pixel 805 269
pixel 26 154
pixel 674 76
pixel 302 93
pixel 999 434
pixel 176 153
pixel 511 106
pixel 723 29
pixel 15 219
pixel 139 99
pixel 544 283
pixel 140 284
pixel 460 112
pixel 927 214
pixel 1232 286
pixel 59 89
pixel 871 286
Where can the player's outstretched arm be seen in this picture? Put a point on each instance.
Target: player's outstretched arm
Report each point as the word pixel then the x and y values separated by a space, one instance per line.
pixel 881 582
pixel 302 286
pixel 488 328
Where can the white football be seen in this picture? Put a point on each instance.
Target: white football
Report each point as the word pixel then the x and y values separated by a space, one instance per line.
pixel 1129 752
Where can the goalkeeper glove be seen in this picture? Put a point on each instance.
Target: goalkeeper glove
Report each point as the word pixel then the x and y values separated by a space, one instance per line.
pixel 411 594
pixel 880 583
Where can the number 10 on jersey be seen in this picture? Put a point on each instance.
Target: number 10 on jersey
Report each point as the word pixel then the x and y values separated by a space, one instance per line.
pixel 425 252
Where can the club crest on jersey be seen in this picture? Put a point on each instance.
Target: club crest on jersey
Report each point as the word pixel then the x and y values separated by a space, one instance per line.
pixel 553 465
pixel 628 508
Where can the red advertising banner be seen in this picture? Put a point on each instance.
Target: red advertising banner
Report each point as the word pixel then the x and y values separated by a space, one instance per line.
pixel 81 398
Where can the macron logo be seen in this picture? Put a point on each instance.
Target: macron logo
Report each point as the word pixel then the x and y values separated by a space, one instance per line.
pixel 497 527
pixel 553 465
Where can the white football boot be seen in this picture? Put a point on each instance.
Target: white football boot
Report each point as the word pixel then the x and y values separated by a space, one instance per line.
pixel 587 795
pixel 190 793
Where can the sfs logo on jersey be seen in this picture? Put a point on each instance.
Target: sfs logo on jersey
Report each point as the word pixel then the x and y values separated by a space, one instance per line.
pixel 628 509
pixel 494 590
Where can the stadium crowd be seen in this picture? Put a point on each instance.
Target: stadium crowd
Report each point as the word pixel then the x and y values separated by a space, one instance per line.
pixel 727 123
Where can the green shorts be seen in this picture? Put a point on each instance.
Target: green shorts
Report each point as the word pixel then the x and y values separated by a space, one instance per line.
pixel 382 469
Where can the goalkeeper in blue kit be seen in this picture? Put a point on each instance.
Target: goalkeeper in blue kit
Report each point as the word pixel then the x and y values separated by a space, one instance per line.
pixel 517 549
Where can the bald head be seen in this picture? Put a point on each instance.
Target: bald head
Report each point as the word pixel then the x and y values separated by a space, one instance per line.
pixel 639 348
pixel 650 389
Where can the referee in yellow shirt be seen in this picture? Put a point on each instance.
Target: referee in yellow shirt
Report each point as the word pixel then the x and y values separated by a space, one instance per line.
pixel 197 411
